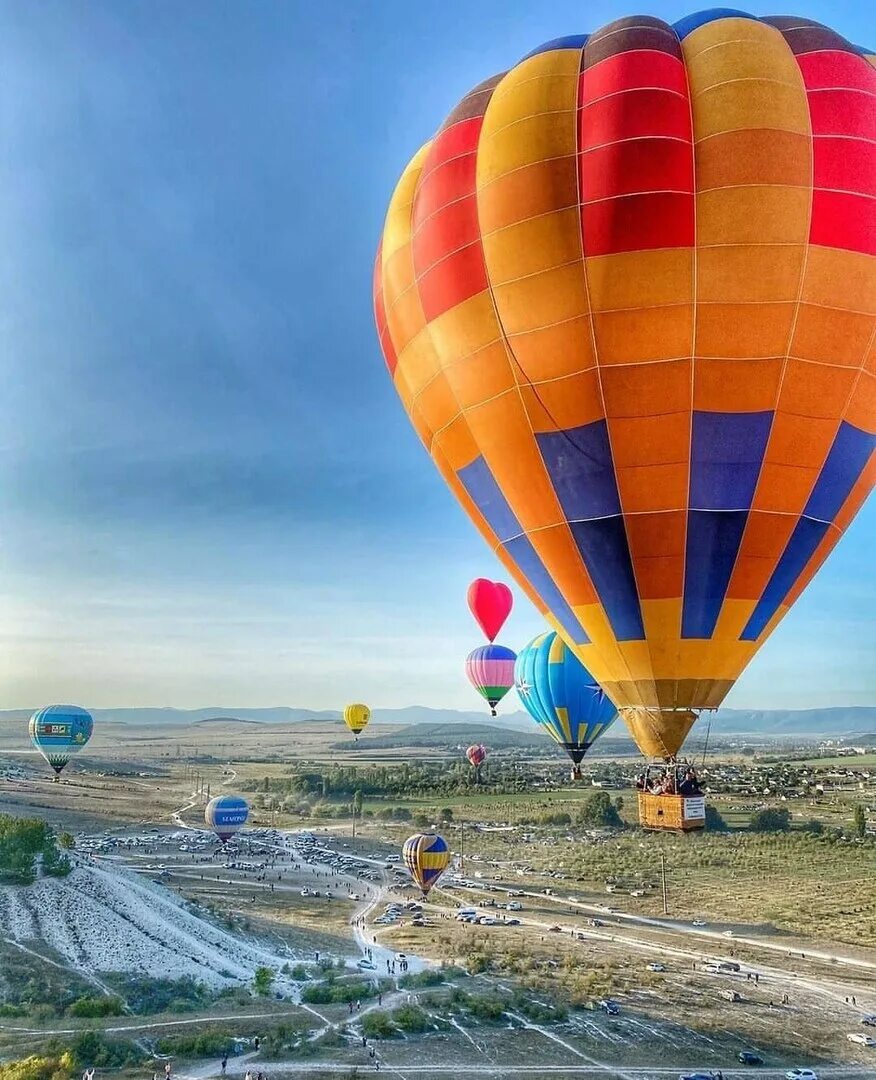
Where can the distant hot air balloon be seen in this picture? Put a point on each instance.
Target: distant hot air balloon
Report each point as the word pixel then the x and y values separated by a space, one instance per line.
pixel 490 670
pixel 561 695
pixel 490 602
pixel 356 718
pixel 226 815
pixel 626 295
pixel 59 732
pixel 426 856
pixel 476 754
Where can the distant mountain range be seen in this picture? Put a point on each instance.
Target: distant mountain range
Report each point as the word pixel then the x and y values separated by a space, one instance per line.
pixel 828 722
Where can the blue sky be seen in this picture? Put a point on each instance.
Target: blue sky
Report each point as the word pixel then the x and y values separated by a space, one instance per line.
pixel 209 492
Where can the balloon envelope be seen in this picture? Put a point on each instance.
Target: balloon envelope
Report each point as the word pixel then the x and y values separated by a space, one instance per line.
pixel 561 695
pixel 59 732
pixel 490 602
pixel 426 856
pixel 626 296
pixel 476 754
pixel 356 717
pixel 490 670
pixel 226 815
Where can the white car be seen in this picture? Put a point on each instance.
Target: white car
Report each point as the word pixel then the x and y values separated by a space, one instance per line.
pixel 698 922
pixel 656 967
pixel 515 905
pixel 801 1074
pixel 487 920
pixel 860 1037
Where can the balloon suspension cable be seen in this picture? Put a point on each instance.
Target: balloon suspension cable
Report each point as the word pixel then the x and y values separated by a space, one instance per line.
pixel 706 743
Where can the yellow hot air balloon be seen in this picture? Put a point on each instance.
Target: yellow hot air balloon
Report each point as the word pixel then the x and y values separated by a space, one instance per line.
pixel 627 295
pixel 356 718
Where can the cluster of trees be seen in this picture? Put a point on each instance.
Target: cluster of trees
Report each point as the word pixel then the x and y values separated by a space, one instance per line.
pixel 408 780
pixel 26 846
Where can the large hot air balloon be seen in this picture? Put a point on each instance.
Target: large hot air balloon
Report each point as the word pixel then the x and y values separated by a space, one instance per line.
pixel 59 732
pixel 490 670
pixel 226 815
pixel 426 856
pixel 476 754
pixel 356 718
pixel 627 295
pixel 560 694
pixel 490 602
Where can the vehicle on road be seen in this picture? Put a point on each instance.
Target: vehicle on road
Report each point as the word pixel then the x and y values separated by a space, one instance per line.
pixel 698 922
pixel 656 967
pixel 727 933
pixel 515 905
pixel 697 1076
pixel 801 1074
pixel 366 965
pixel 555 930
pixel 610 1007
pixel 860 1037
pixel 486 920
pixel 748 1057
pixel 512 922
pixel 870 1021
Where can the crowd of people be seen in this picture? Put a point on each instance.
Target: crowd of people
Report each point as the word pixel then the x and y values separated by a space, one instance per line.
pixel 667 782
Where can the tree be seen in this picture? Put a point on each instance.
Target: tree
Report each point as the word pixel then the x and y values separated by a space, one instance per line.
pixel 859 821
pixel 714 821
pixel 771 820
pixel 598 811
pixel 263 980
pixel 446 814
pixel 421 821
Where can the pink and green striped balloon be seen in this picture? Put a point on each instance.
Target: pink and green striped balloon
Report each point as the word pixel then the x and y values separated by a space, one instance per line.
pixel 490 670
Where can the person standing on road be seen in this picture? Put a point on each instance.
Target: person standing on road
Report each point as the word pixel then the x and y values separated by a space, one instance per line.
pixel 224 1065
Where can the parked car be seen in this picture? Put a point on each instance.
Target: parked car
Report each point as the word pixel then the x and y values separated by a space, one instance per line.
pixel 697 1076
pixel 515 905
pixel 748 1057
pixel 870 1021
pixel 610 1007
pixel 801 1074
pixel 860 1037
pixel 554 930
pixel 656 967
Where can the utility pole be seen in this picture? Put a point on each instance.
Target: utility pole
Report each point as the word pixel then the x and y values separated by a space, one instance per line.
pixel 354 819
pixel 663 877
pixel 462 846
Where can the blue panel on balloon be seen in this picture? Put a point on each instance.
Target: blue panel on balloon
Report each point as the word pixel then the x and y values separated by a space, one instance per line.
pixel 727 450
pixel 713 539
pixel 581 469
pixel 693 22
pixel 574 41
pixel 848 455
pixel 481 485
pixel 605 550
pixel 805 538
pixel 526 557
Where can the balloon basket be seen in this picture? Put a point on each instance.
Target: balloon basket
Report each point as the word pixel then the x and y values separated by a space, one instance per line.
pixel 669 811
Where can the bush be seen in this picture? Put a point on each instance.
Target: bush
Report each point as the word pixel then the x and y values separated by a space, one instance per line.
pixel 263 980
pixel 411 1019
pixel 771 820
pixel 38 1068
pixel 598 811
pixel 421 979
pixel 814 826
pixel 331 992
pixel 146 996
pixel 714 821
pixel 211 1043
pixel 97 1006
pixel 377 1025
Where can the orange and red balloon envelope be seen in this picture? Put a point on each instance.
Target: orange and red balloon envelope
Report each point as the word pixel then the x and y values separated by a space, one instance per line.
pixel 627 295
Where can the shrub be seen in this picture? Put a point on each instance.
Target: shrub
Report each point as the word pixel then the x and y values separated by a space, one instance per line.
pixel 97 1006
pixel 412 1019
pixel 419 979
pixel 598 811
pixel 776 819
pixel 377 1025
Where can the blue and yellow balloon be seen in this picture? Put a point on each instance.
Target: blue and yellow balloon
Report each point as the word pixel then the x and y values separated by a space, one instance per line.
pixel 226 815
pixel 561 695
pixel 426 856
pixel 59 732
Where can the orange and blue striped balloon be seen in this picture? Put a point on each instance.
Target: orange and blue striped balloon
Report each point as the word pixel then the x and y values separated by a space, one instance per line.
pixel 426 856
pixel 627 295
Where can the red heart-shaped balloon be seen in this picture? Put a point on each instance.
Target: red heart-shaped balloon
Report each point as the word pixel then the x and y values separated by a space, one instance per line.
pixel 490 602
